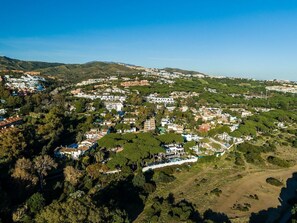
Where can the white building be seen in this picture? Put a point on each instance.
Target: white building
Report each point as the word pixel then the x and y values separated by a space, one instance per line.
pixel 118 106
pixel 79 150
pixel 190 137
pixel 174 150
pixel 165 121
pixel 165 100
pixel 2 111
pixel 175 128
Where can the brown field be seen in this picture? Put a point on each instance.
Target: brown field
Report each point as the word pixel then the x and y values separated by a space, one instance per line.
pixel 236 184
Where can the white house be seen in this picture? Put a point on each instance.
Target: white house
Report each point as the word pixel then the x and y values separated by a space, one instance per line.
pixel 174 150
pixel 154 99
pixel 118 106
pixel 190 137
pixel 165 121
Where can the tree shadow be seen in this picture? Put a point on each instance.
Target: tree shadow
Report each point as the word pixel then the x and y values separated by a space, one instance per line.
pixel 216 216
pixel 122 195
pixel 281 213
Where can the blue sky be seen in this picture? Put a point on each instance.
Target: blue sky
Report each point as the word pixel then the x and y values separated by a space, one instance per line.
pixel 247 38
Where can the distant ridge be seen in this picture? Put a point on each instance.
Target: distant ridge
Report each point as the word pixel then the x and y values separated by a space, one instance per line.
pixel 7 63
pixel 77 72
pixel 168 69
pixel 66 72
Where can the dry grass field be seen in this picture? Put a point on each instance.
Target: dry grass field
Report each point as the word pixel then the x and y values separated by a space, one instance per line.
pixel 242 189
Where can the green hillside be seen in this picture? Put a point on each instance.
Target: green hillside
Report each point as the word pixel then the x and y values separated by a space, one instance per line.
pixel 7 63
pixel 169 69
pixel 79 72
pixel 67 72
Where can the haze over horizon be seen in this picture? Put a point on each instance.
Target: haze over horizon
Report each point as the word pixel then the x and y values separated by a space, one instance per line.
pixel 253 39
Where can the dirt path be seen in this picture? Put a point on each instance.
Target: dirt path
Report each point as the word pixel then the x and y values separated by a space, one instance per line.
pixel 254 183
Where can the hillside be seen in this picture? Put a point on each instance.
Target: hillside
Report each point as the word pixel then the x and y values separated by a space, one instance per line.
pixel 7 63
pixel 79 72
pixel 76 72
pixel 67 72
pixel 169 69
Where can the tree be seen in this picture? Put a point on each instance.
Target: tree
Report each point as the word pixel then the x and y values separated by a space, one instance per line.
pixel 72 175
pixel 80 105
pixel 98 104
pixel 12 143
pixel 122 127
pixel 79 210
pixel 94 170
pixel 42 165
pixel 80 136
pixel 19 214
pixel 24 171
pixel 135 99
pixel 171 138
pixel 53 125
pixel 139 179
pixel 36 202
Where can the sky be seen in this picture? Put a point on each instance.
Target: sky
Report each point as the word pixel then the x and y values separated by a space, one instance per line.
pixel 241 38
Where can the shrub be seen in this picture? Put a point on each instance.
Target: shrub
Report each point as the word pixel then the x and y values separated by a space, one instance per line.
pixel 239 161
pixel 254 196
pixel 165 178
pixel 278 162
pixel 254 157
pixel 36 202
pixel 241 207
pixel 273 181
pixel 216 191
pixel 149 187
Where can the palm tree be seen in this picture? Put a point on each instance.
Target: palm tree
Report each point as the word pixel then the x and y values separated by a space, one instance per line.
pixel 42 165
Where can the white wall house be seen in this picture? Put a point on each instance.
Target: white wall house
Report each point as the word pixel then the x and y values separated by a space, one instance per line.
pixel 118 106
pixel 154 99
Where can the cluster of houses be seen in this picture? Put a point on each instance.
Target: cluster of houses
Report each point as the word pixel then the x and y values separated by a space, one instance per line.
pixel 169 75
pixel 286 88
pixel 25 84
pixel 114 98
pixel 75 150
pixel 170 126
pixel 103 97
pixel 183 94
pixel 97 80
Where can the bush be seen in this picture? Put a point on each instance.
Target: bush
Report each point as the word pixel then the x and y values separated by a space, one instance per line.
pixel 254 196
pixel 36 202
pixel 278 162
pixel 254 157
pixel 165 178
pixel 239 161
pixel 139 180
pixel 149 187
pixel 216 191
pixel 273 181
pixel 241 207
